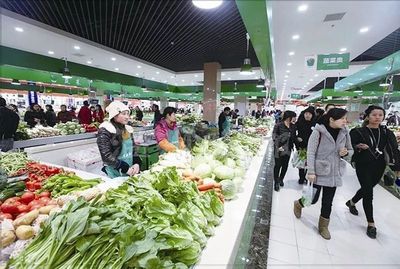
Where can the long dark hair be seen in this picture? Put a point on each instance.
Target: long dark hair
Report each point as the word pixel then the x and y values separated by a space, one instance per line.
pixel 369 110
pixel 301 119
pixel 288 114
pixel 334 113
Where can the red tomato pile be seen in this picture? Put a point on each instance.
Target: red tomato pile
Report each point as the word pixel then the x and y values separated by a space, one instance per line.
pixel 89 128
pixel 37 173
pixel 15 207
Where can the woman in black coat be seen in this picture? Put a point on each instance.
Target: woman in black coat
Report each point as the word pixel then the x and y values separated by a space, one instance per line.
pixel 304 128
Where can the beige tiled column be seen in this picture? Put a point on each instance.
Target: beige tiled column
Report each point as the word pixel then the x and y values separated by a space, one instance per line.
pixel 212 91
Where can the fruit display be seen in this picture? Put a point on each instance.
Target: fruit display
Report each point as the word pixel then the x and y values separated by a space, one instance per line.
pixel 69 128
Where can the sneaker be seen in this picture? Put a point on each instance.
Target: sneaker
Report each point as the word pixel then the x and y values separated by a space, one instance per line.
pixel 371 232
pixel 352 208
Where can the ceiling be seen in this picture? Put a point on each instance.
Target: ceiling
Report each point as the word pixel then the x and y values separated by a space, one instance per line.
pixel 319 37
pixel 382 49
pixel 41 39
pixel 172 34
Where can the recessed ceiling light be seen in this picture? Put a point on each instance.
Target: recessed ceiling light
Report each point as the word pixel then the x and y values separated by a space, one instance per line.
pixel 50 52
pixel 157 73
pixel 295 37
pixel 291 53
pixel 364 30
pixel 137 74
pixel 286 76
pixel 343 49
pixel 302 8
pixel 89 62
pixel 113 59
pixel 196 76
pixel 285 80
pixel 183 80
pixel 152 78
pixel 116 68
pixel 207 4
pixel 19 29
pixel 287 71
pixel 308 83
pixel 222 74
pixel 311 79
pixel 289 64
pixel 316 75
pixel 165 81
pixel 77 47
pixel 229 78
pixel 139 66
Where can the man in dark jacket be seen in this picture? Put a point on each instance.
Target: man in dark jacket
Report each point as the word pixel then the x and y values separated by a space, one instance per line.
pixel 85 115
pixel 223 122
pixel 35 116
pixel 8 126
pixel 63 116
pixel 51 117
pixel 139 114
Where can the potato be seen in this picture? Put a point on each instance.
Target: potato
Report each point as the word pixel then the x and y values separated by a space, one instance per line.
pixel 26 219
pixel 25 232
pixel 46 209
pixel 187 173
pixel 7 238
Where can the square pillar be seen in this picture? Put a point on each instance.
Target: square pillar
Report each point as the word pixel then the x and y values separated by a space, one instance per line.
pixel 211 91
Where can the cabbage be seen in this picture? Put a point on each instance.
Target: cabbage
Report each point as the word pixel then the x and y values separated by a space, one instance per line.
pixel 203 170
pixel 214 163
pixel 224 172
pixel 208 181
pixel 230 162
pixel 239 172
pixel 228 189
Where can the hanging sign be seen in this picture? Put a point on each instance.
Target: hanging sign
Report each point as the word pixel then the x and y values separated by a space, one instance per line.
pixel 310 61
pixel 32 97
pixel 333 61
pixel 295 96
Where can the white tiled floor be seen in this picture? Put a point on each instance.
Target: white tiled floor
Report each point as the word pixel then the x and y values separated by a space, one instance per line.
pixel 295 243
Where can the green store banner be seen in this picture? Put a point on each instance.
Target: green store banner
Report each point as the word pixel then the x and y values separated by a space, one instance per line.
pixel 333 61
pixel 295 96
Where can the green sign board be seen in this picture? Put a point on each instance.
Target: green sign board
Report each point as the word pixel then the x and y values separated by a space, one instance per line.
pixel 295 96
pixel 333 61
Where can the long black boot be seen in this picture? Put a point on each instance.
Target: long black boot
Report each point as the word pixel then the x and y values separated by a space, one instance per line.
pixel 276 185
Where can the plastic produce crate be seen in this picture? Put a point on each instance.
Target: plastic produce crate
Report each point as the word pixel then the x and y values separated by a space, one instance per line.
pixel 86 160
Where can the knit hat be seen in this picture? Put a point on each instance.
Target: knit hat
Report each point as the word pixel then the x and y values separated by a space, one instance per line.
pixel 115 108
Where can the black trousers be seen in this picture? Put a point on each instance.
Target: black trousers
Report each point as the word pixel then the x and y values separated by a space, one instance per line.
pixel 328 193
pixel 368 175
pixel 302 174
pixel 281 166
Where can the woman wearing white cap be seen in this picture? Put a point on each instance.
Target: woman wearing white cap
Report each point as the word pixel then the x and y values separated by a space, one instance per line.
pixel 115 143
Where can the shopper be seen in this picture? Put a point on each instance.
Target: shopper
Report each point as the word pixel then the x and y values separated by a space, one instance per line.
pixel 85 114
pixel 371 142
pixel 283 137
pixel 157 115
pixel 63 116
pixel 167 132
pixel 34 116
pixel 98 114
pixel 319 112
pixel 327 108
pixel 258 114
pixel 328 144
pixel 8 126
pixel 235 114
pixel 116 144
pixel 394 120
pixel 224 122
pixel 50 116
pixel 139 114
pixel 304 127
pixel 72 111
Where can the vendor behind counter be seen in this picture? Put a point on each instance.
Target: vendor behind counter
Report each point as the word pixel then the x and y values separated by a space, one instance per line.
pixel 116 143
pixel 167 132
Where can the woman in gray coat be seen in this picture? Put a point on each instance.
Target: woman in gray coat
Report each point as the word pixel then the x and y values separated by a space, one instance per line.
pixel 329 143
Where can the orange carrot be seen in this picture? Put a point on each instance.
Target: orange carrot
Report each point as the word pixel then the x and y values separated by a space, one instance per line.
pixel 205 187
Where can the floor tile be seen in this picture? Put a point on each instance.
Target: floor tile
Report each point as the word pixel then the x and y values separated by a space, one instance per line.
pixel 282 235
pixel 311 257
pixel 283 252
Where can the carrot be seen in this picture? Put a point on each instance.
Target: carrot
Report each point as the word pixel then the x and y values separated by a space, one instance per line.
pixel 205 187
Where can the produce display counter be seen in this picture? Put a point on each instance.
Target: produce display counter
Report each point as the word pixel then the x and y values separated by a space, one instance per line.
pixel 52 140
pixel 221 248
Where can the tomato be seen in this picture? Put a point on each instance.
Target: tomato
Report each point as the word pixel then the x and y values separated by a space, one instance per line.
pixel 37 185
pixel 23 208
pixel 27 197
pixel 44 200
pixel 9 208
pixel 44 194
pixel 30 185
pixel 4 216
pixel 34 203
pixel 11 200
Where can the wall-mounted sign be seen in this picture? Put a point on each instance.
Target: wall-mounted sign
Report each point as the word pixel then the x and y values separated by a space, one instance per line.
pixel 295 96
pixel 333 61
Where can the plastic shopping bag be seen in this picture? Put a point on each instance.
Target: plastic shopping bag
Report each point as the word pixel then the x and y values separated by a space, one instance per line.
pixel 297 162
pixel 308 194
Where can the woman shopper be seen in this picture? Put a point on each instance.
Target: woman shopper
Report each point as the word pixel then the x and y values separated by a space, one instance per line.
pixel 98 114
pixel 304 127
pixel 167 132
pixel 328 144
pixel 371 142
pixel 283 136
pixel 116 144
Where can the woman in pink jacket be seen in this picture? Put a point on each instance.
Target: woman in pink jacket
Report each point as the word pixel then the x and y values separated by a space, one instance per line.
pixel 167 132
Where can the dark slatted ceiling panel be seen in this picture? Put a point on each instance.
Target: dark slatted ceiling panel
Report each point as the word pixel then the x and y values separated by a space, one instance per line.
pixel 171 34
pixel 382 49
